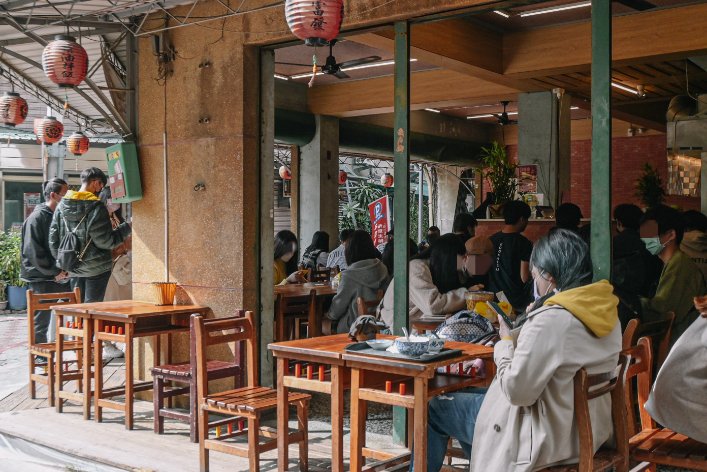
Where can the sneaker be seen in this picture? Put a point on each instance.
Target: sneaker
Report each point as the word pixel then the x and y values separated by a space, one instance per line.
pixel 110 351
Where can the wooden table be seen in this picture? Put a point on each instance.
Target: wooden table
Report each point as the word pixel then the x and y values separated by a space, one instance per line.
pixel 324 292
pixel 425 383
pixel 123 321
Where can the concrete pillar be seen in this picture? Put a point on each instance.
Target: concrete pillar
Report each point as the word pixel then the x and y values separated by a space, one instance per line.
pixel 544 140
pixel 319 183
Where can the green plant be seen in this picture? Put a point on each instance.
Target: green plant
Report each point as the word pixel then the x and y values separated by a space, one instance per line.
pixel 649 187
pixel 354 214
pixel 500 171
pixel 10 258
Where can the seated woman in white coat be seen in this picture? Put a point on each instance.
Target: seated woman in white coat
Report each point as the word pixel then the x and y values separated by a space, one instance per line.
pixel 435 281
pixel 526 419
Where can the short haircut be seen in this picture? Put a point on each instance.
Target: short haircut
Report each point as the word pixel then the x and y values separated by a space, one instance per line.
pixel 433 229
pixel 345 234
pixel 462 221
pixel 629 215
pixel 360 248
pixel 565 256
pixel 695 221
pixel 514 210
pixel 667 219
pixel 93 173
pixel 53 185
pixel 568 216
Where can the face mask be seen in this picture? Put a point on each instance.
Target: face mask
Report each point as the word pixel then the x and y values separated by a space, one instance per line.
pixel 536 294
pixel 653 245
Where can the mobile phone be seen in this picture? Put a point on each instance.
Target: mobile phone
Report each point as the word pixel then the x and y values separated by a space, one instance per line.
pixel 499 311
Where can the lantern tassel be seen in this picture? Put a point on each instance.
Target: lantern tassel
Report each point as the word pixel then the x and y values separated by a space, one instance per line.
pixel 314 70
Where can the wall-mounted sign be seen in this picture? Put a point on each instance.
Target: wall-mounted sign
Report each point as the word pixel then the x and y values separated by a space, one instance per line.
pixel 528 179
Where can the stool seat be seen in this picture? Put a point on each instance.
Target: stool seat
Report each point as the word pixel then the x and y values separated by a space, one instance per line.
pixel 184 370
pixel 249 400
pixel 48 348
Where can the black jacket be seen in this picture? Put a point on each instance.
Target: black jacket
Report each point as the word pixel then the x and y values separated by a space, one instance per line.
pixel 97 226
pixel 38 263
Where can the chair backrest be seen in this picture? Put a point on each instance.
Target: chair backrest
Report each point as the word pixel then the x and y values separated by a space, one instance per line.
pixel 629 336
pixel 368 307
pixel 237 354
pixel 223 331
pixel 319 275
pixel 659 332
pixel 641 367
pixel 287 305
pixel 588 387
pixel 43 301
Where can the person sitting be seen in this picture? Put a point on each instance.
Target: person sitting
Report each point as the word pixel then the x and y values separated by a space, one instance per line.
pixel 681 280
pixel 388 255
pixel 435 281
pixel 511 253
pixel 573 325
pixel 433 234
pixel 336 257
pixel 316 253
pixel 694 242
pixel 365 276
pixel 285 265
pixel 568 216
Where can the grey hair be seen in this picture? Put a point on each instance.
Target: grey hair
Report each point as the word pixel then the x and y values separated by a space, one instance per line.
pixel 565 256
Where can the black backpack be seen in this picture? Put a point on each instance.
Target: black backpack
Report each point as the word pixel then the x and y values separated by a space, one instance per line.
pixel 70 255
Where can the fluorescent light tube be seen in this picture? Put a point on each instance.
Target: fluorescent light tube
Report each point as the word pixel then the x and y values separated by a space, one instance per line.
pixel 362 66
pixel 556 9
pixel 474 117
pixel 433 110
pixel 625 88
pixel 502 13
pixel 281 77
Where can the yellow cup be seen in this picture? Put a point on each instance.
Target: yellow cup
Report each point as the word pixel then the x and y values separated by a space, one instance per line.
pixel 164 292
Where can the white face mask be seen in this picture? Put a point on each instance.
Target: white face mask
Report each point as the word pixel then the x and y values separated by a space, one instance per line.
pixel 536 293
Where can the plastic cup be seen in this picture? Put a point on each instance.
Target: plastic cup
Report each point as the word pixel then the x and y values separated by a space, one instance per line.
pixel 472 298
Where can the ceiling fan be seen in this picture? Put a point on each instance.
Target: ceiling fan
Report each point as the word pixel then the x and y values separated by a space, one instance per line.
pixel 503 117
pixel 331 67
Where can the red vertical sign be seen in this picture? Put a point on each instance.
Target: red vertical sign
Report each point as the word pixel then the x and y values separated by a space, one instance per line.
pixel 379 211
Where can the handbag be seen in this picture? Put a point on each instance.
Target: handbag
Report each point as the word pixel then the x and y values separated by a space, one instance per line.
pixel 466 326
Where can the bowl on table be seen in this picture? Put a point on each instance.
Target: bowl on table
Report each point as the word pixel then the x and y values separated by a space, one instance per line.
pixel 436 344
pixel 414 346
pixel 380 344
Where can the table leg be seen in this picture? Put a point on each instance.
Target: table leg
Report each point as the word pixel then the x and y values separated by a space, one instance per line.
pixel 420 420
pixel 157 355
pixel 337 418
pixel 358 421
pixel 97 373
pixel 282 416
pixel 58 361
pixel 87 338
pixel 129 328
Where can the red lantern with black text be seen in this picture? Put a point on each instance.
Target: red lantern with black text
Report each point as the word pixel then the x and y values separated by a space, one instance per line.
pixel 285 173
pixel 13 109
pixel 387 180
pixel 343 177
pixel 315 21
pixel 64 61
pixel 77 144
pixel 49 130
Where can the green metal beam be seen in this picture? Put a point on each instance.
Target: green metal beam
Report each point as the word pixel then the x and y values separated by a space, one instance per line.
pixel 601 139
pixel 401 213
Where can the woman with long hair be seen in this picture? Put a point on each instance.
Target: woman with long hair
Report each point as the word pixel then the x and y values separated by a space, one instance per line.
pixel 316 253
pixel 285 264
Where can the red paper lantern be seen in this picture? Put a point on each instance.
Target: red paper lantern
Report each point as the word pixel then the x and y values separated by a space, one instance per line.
pixel 64 61
pixel 387 180
pixel 13 109
pixel 315 21
pixel 285 173
pixel 343 177
pixel 49 130
pixel 77 144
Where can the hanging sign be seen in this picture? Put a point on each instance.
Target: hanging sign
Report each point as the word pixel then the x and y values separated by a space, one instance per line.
pixel 379 212
pixel 528 179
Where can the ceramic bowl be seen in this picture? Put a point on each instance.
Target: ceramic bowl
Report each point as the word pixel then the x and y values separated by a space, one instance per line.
pixel 413 347
pixel 380 344
pixel 436 344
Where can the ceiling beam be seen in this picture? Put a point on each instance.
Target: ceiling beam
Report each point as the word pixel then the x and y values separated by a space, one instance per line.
pixel 429 89
pixel 658 35
pixel 49 37
pixel 623 116
pixel 53 21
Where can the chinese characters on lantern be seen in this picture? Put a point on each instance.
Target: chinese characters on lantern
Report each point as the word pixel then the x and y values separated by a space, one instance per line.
pixel 318 21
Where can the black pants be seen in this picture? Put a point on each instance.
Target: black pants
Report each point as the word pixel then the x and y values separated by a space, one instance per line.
pixel 93 289
pixel 42 317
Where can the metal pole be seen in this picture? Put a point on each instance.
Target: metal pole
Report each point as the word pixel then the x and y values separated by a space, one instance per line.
pixel 601 139
pixel 401 107
pixel 420 200
pixel 348 197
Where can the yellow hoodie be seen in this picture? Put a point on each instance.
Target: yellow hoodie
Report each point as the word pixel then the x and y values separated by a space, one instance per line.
pixel 595 305
pixel 79 195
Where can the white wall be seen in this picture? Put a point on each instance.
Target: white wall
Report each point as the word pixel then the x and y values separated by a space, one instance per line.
pixel 29 157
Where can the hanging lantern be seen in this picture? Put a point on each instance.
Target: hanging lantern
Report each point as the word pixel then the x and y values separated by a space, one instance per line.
pixel 13 109
pixel 49 130
pixel 387 180
pixel 343 177
pixel 77 144
pixel 285 173
pixel 64 61
pixel 315 21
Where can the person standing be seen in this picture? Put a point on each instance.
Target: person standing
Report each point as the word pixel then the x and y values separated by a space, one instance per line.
pixel 83 213
pixel 39 268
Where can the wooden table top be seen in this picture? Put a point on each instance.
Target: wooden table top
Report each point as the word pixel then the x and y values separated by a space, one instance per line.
pixel 302 290
pixel 322 346
pixel 128 309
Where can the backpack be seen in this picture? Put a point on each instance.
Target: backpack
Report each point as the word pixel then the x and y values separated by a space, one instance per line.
pixel 70 255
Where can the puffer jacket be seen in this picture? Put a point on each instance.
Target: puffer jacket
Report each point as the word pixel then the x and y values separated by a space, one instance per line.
pixel 38 264
pixel 97 226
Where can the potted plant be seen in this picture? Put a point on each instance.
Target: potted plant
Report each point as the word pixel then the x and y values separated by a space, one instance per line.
pixel 10 263
pixel 649 187
pixel 501 173
pixel 3 296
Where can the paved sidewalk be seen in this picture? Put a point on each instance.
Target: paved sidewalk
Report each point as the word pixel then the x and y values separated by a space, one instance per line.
pixel 13 353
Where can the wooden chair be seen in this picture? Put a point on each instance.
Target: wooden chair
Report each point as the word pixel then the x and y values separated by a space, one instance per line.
pixel 652 445
pixel 289 311
pixel 185 373
pixel 588 387
pixel 660 333
pixel 368 307
pixel 629 337
pixel 246 403
pixel 319 275
pixel 37 302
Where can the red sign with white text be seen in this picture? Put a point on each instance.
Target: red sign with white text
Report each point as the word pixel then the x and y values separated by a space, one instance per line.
pixel 379 212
